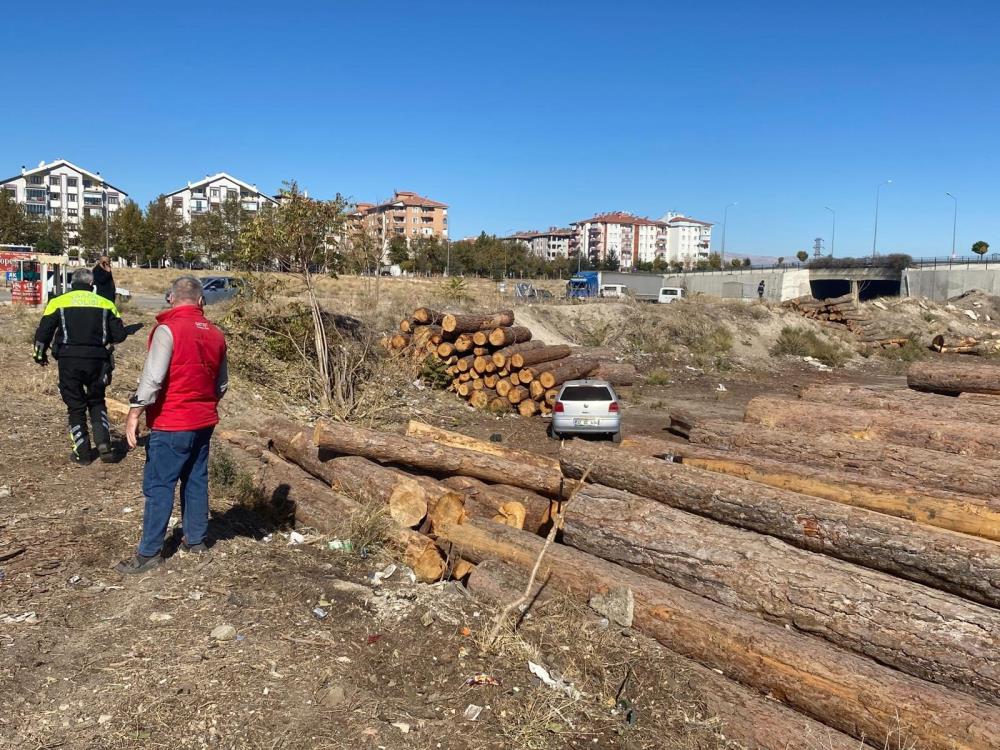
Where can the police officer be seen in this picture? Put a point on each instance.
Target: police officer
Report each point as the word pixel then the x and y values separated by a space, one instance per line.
pixel 80 326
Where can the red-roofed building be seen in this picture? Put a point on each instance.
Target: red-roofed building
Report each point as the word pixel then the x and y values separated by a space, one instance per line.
pixel 633 239
pixel 407 215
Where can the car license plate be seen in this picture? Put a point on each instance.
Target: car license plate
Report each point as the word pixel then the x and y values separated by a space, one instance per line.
pixel 586 422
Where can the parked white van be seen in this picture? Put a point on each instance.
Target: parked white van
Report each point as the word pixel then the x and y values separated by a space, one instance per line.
pixel 614 291
pixel 669 294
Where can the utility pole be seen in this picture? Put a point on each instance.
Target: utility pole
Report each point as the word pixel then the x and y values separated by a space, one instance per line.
pixel 833 233
pixel 875 236
pixel 954 224
pixel 725 219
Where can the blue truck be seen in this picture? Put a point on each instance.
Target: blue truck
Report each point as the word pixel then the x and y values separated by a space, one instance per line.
pixel 584 284
pixel 646 287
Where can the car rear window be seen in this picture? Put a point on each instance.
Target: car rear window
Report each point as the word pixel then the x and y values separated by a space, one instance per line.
pixel 586 393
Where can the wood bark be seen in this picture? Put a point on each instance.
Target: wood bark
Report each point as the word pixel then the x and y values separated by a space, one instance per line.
pixel 551 374
pixel 441 436
pixel 904 401
pixel 542 354
pixel 747 717
pixel 472 323
pixel 507 335
pixel 967 514
pixel 538 509
pixel 936 557
pixel 848 692
pixel 501 356
pixel 619 374
pixel 316 505
pixel 398 449
pixel 922 467
pixel 929 634
pixel 952 376
pixel 948 436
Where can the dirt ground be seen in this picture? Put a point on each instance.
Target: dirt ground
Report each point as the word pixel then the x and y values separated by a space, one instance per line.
pixel 322 656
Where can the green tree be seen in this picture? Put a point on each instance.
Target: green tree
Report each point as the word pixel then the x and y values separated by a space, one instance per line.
pixel 51 237
pixel 164 233
pixel 15 226
pixel 93 236
pixel 781 261
pixel 980 248
pixel 802 255
pixel 128 232
pixel 611 262
pixel 746 263
pixel 208 238
pixel 736 263
pixel 399 251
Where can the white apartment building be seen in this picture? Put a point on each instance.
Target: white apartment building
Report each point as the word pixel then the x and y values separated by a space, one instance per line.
pixel 683 239
pixel 62 190
pixel 633 239
pixel 548 245
pixel 211 192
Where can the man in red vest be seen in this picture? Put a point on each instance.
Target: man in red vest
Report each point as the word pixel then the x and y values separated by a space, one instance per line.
pixel 183 379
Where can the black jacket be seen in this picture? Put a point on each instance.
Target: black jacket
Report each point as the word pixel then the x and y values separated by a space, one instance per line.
pixel 104 283
pixel 79 324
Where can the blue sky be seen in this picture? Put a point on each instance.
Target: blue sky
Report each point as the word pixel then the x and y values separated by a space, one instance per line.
pixel 524 115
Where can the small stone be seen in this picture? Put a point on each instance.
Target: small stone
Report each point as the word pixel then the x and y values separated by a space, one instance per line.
pixel 104 718
pixel 223 633
pixel 333 696
pixel 160 617
pixel 428 619
pixel 5 491
pixel 402 726
pixel 618 605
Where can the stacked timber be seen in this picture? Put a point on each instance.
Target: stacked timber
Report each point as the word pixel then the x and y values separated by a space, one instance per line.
pixel 495 365
pixel 844 314
pixel 952 377
pixel 819 592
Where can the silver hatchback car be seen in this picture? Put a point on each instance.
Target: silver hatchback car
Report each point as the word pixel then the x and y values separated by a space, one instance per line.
pixel 587 407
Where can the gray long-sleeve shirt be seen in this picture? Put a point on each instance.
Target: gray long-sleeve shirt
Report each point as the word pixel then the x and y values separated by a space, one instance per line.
pixel 154 372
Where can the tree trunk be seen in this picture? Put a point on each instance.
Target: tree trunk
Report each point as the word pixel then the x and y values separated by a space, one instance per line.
pixel 501 356
pixel 506 336
pixel 747 717
pixel 316 505
pixel 517 394
pixel 929 634
pixel 527 408
pixel 427 316
pixel 542 354
pixel 620 375
pixel 386 447
pixel 951 436
pixel 481 338
pixel 952 376
pixel 445 349
pixel 441 436
pixel 936 557
pixel 904 401
pixel 538 509
pixel 551 374
pixel 949 510
pixel 473 323
pixel 924 468
pixel 464 343
pixel 848 692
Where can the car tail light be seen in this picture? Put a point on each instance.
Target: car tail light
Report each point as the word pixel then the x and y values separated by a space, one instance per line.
pixel 558 406
pixel 613 407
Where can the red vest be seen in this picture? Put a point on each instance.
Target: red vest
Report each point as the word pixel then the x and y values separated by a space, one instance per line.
pixel 187 399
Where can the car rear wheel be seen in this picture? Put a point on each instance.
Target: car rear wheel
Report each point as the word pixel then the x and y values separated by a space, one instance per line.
pixel 553 434
pixel 616 437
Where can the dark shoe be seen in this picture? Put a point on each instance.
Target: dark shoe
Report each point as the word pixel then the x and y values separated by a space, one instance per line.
pixel 194 549
pixel 138 564
pixel 106 453
pixel 81 458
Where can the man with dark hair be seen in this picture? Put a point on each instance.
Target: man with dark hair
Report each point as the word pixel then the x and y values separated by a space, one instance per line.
pixel 183 379
pixel 104 280
pixel 80 326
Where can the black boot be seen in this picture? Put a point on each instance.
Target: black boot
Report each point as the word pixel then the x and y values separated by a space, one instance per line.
pixel 78 436
pixel 102 432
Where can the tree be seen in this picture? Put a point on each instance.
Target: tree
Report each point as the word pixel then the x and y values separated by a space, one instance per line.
pixel 15 226
pixel 93 236
pixel 736 263
pixel 399 251
pixel 980 248
pixel 164 233
pixel 781 261
pixel 208 237
pixel 610 262
pixel 128 231
pixel 51 237
pixel 746 263
pixel 802 255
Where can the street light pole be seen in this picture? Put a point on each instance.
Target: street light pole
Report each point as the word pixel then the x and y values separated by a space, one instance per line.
pixel 954 224
pixel 833 234
pixel 725 219
pixel 875 236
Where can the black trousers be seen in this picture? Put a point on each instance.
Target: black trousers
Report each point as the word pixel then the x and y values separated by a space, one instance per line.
pixel 81 385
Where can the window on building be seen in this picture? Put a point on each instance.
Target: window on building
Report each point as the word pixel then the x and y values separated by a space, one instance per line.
pixel 35 179
pixel 215 193
pixel 70 182
pixel 35 209
pixel 177 202
pixel 87 182
pixel 54 196
pixel 199 205
pixel 112 200
pixel 71 197
pixel 55 180
pixel 71 212
pixel 37 195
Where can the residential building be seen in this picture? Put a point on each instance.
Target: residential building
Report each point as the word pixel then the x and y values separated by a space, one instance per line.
pixel 633 239
pixel 407 215
pixel 62 190
pixel 548 245
pixel 683 239
pixel 214 190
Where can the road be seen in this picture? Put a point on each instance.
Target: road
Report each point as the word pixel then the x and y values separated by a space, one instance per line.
pixel 145 301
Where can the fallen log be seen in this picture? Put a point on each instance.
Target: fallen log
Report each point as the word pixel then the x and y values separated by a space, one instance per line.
pixel 481 339
pixel 386 447
pixel 948 436
pixel 932 556
pixel 926 633
pixel 441 436
pixel 747 717
pixel 557 372
pixel 472 323
pixel 505 336
pixel 316 505
pixel 501 356
pixel 904 401
pixel 949 342
pixel 847 692
pixel 951 377
pixel 922 467
pixel 542 354
pixel 538 509
pixel 464 343
pixel 527 408
pixel 427 316
pixel 619 374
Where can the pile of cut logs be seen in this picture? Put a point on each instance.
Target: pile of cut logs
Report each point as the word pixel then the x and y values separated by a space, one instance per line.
pixel 830 566
pixel 843 314
pixel 495 365
pixel 949 343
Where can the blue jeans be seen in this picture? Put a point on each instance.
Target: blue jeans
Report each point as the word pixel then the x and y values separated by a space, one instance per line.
pixel 172 456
